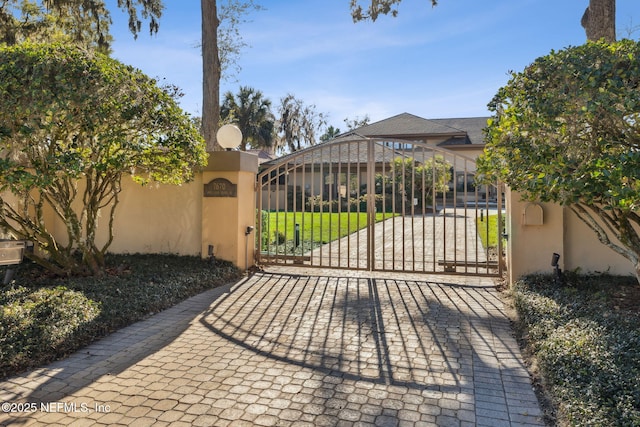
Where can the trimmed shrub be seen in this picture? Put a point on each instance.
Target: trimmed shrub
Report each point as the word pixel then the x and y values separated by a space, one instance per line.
pixel 587 349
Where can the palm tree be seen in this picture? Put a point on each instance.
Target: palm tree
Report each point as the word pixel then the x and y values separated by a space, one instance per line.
pixel 330 133
pixel 251 112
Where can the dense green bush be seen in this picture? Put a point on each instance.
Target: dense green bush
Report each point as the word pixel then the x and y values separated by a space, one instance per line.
pixel 587 348
pixel 263 217
pixel 43 318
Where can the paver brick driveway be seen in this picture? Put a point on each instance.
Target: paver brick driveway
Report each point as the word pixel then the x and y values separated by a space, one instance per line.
pixel 287 349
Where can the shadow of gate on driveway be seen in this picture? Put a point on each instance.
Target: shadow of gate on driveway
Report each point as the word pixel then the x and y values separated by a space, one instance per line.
pixel 445 339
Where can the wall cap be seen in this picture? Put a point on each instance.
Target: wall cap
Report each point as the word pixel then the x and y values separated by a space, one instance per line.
pixel 232 161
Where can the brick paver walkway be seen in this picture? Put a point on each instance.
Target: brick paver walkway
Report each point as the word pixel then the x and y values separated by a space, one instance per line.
pixel 297 349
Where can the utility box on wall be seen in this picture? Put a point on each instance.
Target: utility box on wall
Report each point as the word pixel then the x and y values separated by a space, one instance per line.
pixel 533 214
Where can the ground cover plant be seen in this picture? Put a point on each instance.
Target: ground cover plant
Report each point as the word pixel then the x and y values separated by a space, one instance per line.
pixel 43 318
pixel 584 336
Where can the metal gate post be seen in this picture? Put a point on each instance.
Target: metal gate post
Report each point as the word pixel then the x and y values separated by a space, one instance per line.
pixel 499 188
pixel 371 205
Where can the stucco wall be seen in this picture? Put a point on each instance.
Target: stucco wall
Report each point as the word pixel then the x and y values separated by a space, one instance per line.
pixel 158 218
pixel 585 253
pixel 530 247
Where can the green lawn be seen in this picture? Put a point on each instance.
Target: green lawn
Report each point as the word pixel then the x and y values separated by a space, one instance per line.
pixel 317 227
pixel 488 233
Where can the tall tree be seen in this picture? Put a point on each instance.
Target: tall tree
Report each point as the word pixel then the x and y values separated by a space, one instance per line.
pixel 251 112
pixel 218 46
pixel 298 123
pixel 86 22
pixel 211 73
pixel 598 20
pixel 67 23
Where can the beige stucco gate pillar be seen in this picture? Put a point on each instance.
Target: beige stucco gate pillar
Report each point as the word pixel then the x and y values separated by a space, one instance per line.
pixel 229 207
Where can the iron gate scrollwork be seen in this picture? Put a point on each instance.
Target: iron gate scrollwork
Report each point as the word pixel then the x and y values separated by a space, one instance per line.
pixel 376 204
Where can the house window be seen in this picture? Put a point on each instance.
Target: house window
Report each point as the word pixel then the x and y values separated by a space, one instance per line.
pixel 468 179
pixel 395 145
pixel 336 185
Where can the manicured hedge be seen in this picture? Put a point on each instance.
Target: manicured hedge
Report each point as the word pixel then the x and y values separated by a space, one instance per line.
pixel 585 337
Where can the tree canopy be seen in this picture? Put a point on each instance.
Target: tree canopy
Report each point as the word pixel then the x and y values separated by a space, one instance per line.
pixel 408 180
pixel 72 124
pixel 299 123
pixel 376 8
pixel 83 22
pixel 598 20
pixel 567 130
pixel 87 23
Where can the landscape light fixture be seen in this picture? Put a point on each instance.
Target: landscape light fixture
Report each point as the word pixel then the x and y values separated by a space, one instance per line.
pixel 248 231
pixel 555 258
pixel 210 253
pixel 229 136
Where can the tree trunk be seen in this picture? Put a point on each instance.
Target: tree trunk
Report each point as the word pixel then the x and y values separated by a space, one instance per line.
pixel 599 20
pixel 210 74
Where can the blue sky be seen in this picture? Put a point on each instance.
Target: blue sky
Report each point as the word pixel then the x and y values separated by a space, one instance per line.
pixel 440 62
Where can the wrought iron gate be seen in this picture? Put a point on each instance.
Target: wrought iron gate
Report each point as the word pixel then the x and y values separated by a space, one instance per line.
pixel 376 204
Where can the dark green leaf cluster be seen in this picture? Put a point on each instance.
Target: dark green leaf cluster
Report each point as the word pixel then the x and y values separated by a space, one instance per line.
pixel 83 23
pixel 408 180
pixel 68 114
pixel 35 319
pixel 567 130
pixel 251 112
pixel 588 351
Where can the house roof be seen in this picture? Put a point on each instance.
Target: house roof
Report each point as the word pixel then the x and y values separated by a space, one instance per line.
pixel 263 156
pixel 461 131
pixel 355 152
pixel 457 132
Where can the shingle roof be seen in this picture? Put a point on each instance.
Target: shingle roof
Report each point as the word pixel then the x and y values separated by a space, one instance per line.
pixel 352 152
pixel 405 126
pixel 473 126
pixel 409 126
pixel 263 156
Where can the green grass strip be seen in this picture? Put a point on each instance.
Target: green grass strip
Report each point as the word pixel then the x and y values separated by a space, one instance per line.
pixel 488 233
pixel 319 227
